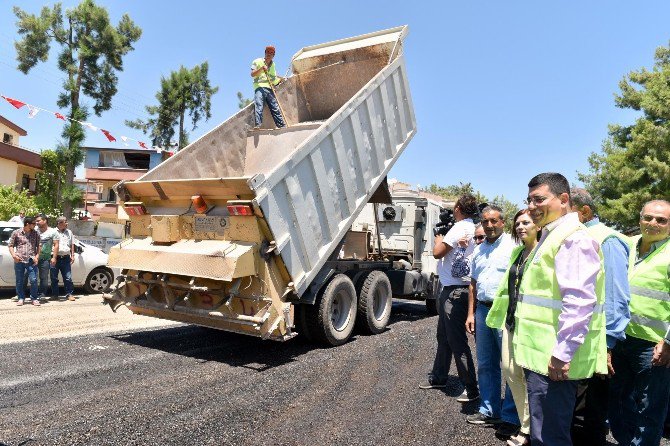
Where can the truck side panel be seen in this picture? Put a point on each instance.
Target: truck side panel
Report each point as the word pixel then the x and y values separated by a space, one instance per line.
pixel 312 199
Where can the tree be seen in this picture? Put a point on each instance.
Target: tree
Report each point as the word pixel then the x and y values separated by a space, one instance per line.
pixel 242 101
pixel 453 192
pixel 12 201
pixel 183 91
pixel 51 185
pixel 91 52
pixel 634 164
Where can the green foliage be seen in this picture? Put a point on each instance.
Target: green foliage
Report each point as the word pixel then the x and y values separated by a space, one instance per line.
pixel 634 163
pixel 183 91
pixel 242 101
pixel 453 192
pixel 11 202
pixel 91 52
pixel 50 182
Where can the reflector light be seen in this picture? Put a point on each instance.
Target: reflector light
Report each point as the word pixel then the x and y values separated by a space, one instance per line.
pixel 134 208
pixel 199 204
pixel 240 209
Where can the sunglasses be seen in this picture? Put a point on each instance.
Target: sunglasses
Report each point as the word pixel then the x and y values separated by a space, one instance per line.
pixel 659 220
pixel 479 237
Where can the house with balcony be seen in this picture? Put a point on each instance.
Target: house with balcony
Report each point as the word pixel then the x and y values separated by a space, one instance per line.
pixel 106 166
pixel 18 165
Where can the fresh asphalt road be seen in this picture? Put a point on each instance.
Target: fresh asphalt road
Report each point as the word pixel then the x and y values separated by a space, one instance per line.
pixel 186 385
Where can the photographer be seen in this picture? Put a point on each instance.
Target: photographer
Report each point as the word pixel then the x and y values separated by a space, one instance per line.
pixel 452 308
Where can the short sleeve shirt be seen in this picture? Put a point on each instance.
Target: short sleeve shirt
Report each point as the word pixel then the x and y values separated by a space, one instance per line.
pixel 65 240
pixel 489 264
pixel 460 229
pixel 47 240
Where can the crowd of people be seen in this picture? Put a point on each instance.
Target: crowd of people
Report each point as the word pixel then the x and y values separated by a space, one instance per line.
pixel 573 314
pixel 43 252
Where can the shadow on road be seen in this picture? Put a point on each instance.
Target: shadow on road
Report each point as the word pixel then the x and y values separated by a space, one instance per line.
pixel 237 350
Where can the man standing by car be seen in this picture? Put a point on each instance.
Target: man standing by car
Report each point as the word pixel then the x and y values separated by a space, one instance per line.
pixel 46 260
pixel 24 247
pixel 64 249
pixel 453 304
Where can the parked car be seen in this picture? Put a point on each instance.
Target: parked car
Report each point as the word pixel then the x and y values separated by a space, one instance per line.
pixel 89 269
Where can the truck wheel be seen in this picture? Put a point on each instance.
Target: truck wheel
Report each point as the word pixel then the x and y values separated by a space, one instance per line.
pixel 374 303
pixel 332 318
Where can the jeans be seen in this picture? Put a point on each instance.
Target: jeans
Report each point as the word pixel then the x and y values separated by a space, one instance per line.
pixel 639 394
pixel 44 266
pixel 63 266
pixel 452 311
pixel 489 350
pixel 551 404
pixel 265 95
pixel 20 271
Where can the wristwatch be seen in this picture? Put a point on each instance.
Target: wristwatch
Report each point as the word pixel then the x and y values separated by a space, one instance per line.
pixel 666 340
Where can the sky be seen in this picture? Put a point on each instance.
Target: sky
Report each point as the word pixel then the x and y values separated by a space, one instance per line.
pixel 501 90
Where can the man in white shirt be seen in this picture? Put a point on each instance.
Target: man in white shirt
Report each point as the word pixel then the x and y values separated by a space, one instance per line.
pixel 64 253
pixel 453 304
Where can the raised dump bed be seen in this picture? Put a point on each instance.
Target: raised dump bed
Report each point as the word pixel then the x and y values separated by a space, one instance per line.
pixel 277 202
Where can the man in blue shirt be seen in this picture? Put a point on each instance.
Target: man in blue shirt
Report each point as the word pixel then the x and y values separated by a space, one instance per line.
pixel 489 263
pixel 589 424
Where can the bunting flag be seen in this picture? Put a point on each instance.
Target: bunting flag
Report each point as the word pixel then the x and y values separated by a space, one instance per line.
pixel 33 111
pixel 16 103
pixel 90 126
pixel 108 135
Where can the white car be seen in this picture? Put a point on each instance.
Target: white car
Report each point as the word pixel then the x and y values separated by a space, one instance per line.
pixel 89 269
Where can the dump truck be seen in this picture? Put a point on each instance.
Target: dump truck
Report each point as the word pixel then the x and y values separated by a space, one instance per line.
pixel 246 230
pixel 402 233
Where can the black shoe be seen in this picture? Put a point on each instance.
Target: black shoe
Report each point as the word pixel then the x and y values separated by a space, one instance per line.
pixel 481 419
pixel 507 430
pixel 430 384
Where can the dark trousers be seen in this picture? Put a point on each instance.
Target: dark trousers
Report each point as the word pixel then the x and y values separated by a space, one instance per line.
pixel 263 96
pixel 639 394
pixel 551 404
pixel 452 341
pixel 64 267
pixel 589 421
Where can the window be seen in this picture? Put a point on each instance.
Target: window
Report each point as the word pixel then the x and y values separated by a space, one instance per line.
pixel 138 160
pixel 121 160
pixel 7 138
pixel 112 196
pixel 25 182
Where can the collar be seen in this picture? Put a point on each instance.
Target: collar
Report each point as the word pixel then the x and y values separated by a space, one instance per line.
pixel 564 219
pixel 594 221
pixel 654 246
pixel 497 242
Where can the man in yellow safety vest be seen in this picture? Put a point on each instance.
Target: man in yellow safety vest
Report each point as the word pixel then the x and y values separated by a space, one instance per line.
pixel 264 72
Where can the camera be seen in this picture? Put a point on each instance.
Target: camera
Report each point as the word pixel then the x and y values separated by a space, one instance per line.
pixel 446 222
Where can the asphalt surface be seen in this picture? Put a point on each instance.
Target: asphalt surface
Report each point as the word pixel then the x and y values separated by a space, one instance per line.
pixel 186 385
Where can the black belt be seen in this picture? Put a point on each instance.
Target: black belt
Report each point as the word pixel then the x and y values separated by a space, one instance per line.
pixel 486 304
pixel 63 256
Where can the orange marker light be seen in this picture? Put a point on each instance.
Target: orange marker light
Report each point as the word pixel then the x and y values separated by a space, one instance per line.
pixel 199 204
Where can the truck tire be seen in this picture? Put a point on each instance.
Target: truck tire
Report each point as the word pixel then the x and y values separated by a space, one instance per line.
pixel 374 303
pixel 332 318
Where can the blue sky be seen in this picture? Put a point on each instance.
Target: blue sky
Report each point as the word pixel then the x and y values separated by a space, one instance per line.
pixel 501 90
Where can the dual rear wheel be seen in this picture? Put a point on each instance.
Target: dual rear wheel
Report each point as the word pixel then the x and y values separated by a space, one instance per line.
pixel 340 307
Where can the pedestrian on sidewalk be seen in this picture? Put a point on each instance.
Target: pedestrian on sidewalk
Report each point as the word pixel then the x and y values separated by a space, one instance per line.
pixel 24 247
pixel 452 303
pixel 47 258
pixel 489 263
pixel 64 247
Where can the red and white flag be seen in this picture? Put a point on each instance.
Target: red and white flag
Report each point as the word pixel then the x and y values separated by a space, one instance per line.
pixel 90 126
pixel 33 111
pixel 144 146
pixel 59 116
pixel 109 136
pixel 15 102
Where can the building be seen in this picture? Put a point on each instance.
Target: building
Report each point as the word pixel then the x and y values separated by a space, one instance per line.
pixel 18 165
pixel 106 166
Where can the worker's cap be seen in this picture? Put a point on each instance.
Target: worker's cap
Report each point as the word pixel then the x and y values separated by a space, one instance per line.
pixel 270 49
